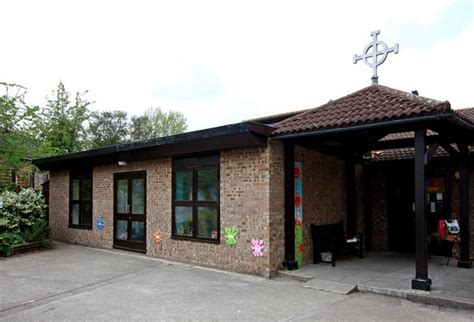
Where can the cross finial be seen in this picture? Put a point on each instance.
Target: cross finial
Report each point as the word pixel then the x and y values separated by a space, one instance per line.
pixel 375 54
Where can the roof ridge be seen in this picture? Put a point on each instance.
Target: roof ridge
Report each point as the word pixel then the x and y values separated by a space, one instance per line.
pixel 465 109
pixel 369 104
pixel 276 116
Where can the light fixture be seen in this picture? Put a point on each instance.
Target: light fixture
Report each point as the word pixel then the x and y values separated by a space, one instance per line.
pixel 457 175
pixel 122 163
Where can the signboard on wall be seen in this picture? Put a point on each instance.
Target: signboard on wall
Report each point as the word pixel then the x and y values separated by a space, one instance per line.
pixel 299 212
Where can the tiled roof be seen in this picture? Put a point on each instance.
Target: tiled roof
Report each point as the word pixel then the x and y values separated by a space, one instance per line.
pixel 270 119
pixel 369 105
pixel 405 154
pixel 404 135
pixel 466 114
pixel 401 154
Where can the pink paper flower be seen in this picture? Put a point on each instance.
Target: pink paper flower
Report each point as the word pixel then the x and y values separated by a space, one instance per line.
pixel 257 247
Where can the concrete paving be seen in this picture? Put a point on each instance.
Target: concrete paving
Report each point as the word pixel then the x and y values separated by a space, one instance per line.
pixel 330 286
pixel 393 271
pixel 78 283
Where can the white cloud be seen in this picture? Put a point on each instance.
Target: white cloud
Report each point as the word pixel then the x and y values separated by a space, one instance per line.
pixel 262 57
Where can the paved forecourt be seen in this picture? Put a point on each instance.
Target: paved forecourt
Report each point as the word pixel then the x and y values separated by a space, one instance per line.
pixel 80 283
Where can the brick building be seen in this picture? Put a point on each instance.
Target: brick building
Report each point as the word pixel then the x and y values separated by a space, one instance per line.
pixel 173 197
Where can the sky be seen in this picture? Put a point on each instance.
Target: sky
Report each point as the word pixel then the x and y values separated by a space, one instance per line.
pixel 222 62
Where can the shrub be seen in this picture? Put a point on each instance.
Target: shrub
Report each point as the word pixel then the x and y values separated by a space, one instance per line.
pixel 8 240
pixel 19 211
pixel 22 219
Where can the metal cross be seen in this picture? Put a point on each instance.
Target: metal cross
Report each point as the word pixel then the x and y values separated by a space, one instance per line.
pixel 377 52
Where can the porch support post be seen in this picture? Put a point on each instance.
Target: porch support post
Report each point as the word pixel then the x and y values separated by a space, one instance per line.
pixel 421 280
pixel 289 165
pixel 464 260
pixel 368 207
pixel 350 197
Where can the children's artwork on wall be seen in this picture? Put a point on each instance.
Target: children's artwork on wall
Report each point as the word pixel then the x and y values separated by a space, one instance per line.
pixel 157 238
pixel 299 212
pixel 230 235
pixel 100 223
pixel 257 247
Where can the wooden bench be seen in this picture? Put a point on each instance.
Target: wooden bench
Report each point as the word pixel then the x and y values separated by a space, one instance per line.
pixel 332 238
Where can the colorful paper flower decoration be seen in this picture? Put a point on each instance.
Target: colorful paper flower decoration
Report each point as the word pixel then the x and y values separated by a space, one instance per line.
pixel 297 200
pixel 157 238
pixel 230 235
pixel 297 172
pixel 257 247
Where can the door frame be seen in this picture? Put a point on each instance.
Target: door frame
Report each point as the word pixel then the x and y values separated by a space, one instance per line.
pixel 128 244
pixel 398 175
pixel 399 169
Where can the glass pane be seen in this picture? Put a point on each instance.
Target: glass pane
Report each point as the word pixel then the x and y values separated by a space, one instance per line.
pixel 138 230
pixel 184 185
pixel 75 214
pixel 208 185
pixel 138 196
pixel 86 214
pixel 75 189
pixel 183 221
pixel 86 189
pixel 207 222
pixel 122 230
pixel 122 196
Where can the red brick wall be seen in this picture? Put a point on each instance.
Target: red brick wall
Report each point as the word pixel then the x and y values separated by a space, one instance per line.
pixel 379 210
pixel 360 207
pixel 455 207
pixel 252 199
pixel 277 205
pixel 324 193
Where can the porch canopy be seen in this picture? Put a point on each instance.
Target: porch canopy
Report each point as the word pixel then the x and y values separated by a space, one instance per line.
pixel 378 118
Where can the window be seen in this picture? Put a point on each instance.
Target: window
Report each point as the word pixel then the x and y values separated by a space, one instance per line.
pixel 196 198
pixel 80 199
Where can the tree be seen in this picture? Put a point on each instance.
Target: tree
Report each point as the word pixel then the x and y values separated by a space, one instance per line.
pixel 156 123
pixel 16 140
pixel 107 128
pixel 60 126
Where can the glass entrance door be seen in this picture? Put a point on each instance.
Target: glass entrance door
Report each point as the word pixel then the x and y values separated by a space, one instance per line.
pixel 130 211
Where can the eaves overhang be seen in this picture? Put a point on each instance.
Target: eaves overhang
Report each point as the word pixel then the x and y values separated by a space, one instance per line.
pixel 239 135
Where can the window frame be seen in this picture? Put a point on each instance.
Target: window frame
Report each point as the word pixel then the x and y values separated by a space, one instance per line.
pixel 193 165
pixel 80 175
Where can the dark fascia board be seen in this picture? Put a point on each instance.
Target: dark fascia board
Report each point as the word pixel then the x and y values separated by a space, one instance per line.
pixel 397 125
pixel 239 135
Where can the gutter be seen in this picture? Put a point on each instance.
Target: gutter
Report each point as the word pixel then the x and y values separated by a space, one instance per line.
pixel 461 122
pixel 223 137
pixel 396 122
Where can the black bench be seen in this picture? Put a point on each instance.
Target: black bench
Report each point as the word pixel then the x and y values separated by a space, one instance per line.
pixel 332 238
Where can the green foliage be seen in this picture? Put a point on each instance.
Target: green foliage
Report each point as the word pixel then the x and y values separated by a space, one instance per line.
pixel 60 125
pixel 107 128
pixel 9 217
pixel 8 240
pixel 20 211
pixel 140 128
pixel 16 119
pixel 39 231
pixel 22 219
pixel 156 123
pixel 66 125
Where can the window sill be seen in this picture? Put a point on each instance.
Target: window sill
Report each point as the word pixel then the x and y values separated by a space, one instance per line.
pixel 201 240
pixel 80 227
